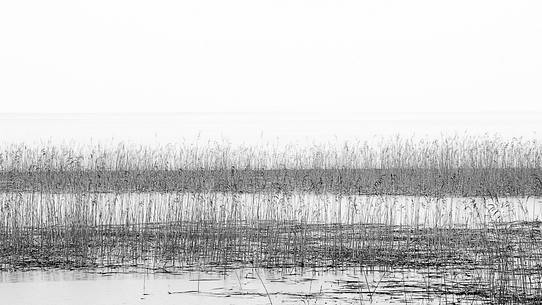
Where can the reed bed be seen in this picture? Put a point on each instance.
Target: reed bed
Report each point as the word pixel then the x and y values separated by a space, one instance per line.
pixel 464 210
pixel 459 166
pixel 493 252
pixel 399 181
pixel 117 209
pixel 474 263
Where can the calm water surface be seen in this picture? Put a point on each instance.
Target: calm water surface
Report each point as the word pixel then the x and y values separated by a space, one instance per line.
pixel 239 286
pixel 43 209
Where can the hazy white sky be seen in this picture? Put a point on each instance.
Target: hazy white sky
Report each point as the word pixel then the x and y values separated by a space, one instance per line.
pixel 277 55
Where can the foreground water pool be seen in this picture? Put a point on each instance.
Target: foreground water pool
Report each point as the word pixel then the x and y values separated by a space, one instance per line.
pixel 238 286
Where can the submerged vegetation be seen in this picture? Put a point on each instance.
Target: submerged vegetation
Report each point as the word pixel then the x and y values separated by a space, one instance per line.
pixel 462 209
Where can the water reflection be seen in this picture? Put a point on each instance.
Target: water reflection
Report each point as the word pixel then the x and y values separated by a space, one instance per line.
pixel 236 286
pixel 51 209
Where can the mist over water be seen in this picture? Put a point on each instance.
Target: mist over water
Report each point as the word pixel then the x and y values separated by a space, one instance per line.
pixel 254 128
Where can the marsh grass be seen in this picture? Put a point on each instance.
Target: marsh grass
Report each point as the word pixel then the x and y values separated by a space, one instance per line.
pixel 163 233
pixel 459 166
pixel 468 221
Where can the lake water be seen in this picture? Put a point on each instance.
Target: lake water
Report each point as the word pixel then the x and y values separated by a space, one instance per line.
pixel 46 209
pixel 240 286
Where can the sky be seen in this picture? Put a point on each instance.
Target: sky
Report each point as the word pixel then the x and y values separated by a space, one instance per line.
pixel 339 56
